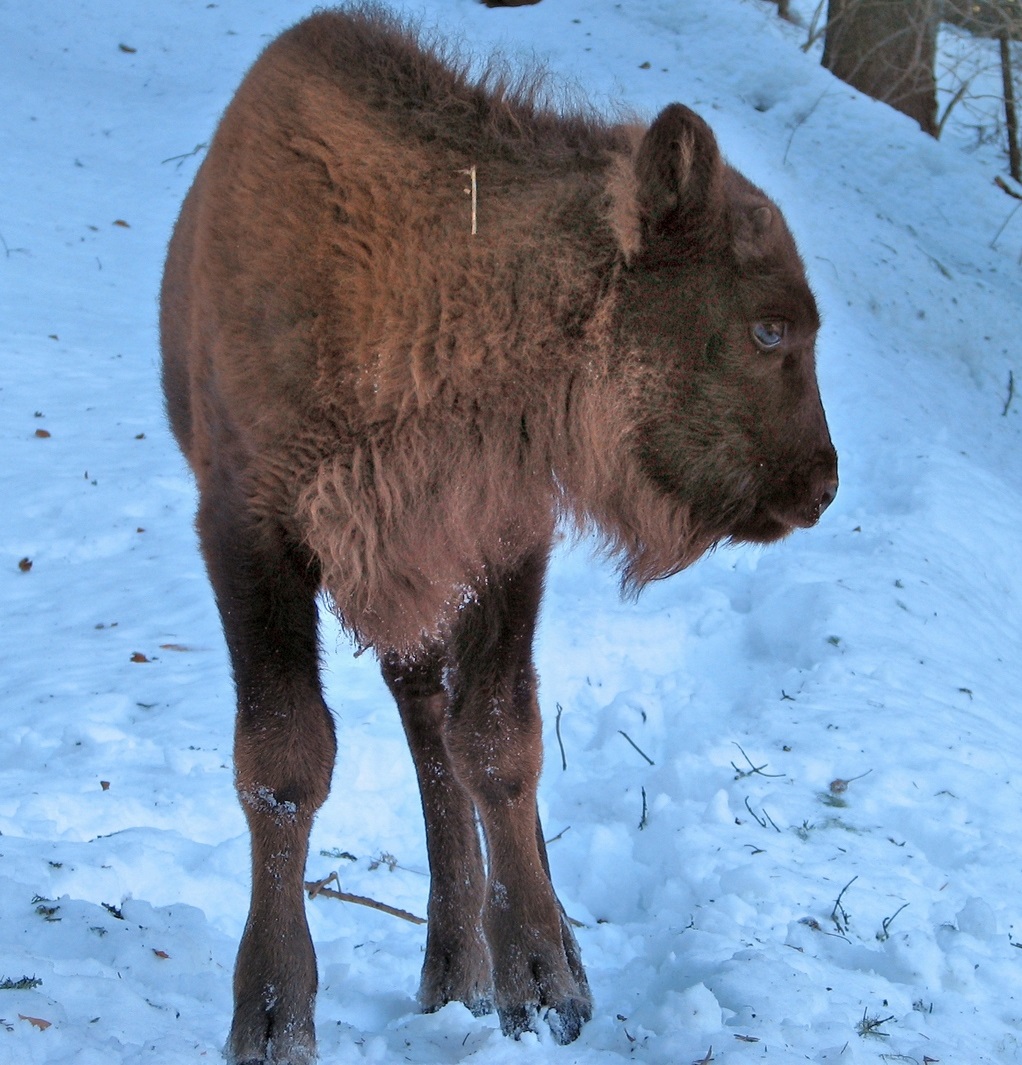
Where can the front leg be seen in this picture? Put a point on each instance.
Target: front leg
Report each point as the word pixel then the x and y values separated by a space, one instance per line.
pixel 494 738
pixel 284 751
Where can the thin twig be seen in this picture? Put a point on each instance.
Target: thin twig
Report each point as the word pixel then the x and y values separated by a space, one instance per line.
pixel 8 251
pixel 318 887
pixel 1011 393
pixel 887 922
pixel 814 34
pixel 801 121
pixel 955 100
pixel 1004 225
pixel 756 817
pixel 839 915
pixel 1005 187
pixel 643 821
pixel 761 821
pixel 560 742
pixel 752 768
pixel 637 747
pixel 179 159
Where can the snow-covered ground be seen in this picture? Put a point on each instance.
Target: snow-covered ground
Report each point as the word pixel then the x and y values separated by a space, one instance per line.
pixel 818 858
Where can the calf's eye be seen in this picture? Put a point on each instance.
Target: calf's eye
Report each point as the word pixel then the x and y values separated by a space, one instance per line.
pixel 768 335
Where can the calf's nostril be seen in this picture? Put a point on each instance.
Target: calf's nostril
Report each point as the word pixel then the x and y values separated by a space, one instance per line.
pixel 827 493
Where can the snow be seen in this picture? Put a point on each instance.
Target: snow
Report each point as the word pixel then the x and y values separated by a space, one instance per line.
pixel 787 815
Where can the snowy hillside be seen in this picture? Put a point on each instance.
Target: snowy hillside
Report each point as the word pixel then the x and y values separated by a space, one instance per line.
pixel 787 814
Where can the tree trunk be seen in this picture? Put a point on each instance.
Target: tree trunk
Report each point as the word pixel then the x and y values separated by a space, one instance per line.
pixel 1010 112
pixel 886 48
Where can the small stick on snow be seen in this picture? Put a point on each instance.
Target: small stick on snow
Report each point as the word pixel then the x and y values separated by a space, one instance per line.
pixel 752 768
pixel 560 742
pixel 839 915
pixel 885 934
pixel 764 820
pixel 319 887
pixel 636 746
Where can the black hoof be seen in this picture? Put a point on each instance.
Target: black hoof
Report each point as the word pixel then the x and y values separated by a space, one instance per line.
pixel 567 1019
pixel 514 1020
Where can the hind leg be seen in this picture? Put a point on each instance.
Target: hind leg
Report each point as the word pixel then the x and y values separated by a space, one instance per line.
pixel 457 965
pixel 284 751
pixel 493 735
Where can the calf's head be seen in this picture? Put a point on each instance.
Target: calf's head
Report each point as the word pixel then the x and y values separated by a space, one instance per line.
pixel 719 327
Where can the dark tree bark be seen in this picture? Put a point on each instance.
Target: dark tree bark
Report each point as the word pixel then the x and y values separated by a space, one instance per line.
pixel 1010 111
pixel 887 48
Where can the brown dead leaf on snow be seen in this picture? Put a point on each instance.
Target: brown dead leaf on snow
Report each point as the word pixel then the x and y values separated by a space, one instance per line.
pixel 120 222
pixel 127 48
pixel 43 434
pixel 36 1022
pixel 139 657
pixel 25 565
pixel 105 785
pixel 160 953
pixel 175 647
pixel 839 786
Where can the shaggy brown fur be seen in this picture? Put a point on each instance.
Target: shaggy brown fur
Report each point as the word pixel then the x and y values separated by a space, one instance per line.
pixel 376 399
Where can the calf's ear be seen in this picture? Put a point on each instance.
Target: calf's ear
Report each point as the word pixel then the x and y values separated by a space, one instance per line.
pixel 679 172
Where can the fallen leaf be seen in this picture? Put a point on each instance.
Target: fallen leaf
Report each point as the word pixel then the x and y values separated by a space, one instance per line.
pixel 42 433
pixel 160 953
pixel 127 48
pixel 174 647
pixel 25 565
pixel 105 785
pixel 120 222
pixel 37 1022
pixel 139 657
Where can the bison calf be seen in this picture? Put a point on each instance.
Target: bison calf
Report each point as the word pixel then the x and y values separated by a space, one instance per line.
pixel 394 390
